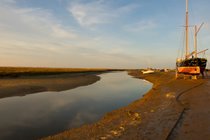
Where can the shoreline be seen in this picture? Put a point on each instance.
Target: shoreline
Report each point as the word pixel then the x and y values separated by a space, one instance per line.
pixel 20 81
pixel 24 85
pixel 156 115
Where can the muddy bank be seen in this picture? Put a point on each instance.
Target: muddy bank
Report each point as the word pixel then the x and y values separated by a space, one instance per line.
pixel 20 81
pixel 23 85
pixel 167 111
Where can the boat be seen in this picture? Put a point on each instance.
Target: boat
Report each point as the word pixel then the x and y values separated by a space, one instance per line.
pixel 191 63
pixel 149 71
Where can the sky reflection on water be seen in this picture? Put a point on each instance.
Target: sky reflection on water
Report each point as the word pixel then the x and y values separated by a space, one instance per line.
pixel 47 113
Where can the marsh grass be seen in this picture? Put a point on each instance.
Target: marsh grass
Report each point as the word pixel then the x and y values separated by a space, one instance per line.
pixel 33 71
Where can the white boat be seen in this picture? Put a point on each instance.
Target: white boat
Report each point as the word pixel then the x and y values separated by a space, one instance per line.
pixel 147 71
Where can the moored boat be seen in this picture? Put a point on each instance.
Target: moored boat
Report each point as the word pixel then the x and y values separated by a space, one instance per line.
pixel 147 71
pixel 191 64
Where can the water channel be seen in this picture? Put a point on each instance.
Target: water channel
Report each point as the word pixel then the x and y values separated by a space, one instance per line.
pixel 47 113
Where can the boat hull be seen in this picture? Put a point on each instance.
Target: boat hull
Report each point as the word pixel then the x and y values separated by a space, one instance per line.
pixel 189 70
pixel 147 71
pixel 192 66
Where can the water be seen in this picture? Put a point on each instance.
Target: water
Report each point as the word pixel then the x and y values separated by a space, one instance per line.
pixel 42 114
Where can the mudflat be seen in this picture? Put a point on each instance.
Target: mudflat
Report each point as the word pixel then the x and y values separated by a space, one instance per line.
pixel 172 109
pixel 20 81
pixel 24 85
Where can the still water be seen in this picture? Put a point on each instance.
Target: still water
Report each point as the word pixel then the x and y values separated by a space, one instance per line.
pixel 42 114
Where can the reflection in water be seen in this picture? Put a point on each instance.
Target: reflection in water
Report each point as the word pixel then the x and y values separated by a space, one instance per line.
pixel 47 113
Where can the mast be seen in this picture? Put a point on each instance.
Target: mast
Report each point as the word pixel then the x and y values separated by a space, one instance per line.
pixel 197 29
pixel 195 41
pixel 186 28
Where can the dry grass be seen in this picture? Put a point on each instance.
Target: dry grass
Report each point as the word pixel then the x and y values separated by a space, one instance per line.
pixel 30 71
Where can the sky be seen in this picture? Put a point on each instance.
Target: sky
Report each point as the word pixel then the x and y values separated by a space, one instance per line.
pixel 98 33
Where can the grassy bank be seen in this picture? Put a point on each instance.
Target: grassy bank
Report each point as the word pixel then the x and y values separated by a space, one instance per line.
pixel 33 71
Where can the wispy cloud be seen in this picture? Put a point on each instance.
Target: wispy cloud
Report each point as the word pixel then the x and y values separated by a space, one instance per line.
pixel 90 14
pixel 60 32
pixel 35 37
pixel 97 12
pixel 141 26
pixel 31 25
pixel 8 1
pixel 30 36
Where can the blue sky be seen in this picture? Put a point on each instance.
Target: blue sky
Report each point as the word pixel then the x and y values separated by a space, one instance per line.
pixel 97 33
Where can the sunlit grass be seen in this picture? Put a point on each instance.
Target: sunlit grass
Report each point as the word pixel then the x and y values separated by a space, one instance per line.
pixel 18 71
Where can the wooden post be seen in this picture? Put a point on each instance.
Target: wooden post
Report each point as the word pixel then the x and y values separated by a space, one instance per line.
pixel 194 77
